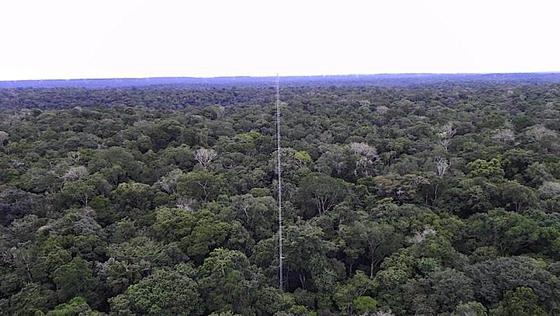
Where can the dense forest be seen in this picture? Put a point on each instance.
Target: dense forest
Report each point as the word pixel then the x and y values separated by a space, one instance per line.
pixel 425 199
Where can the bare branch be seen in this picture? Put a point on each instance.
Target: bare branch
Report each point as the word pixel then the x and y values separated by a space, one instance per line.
pixel 445 135
pixel 3 138
pixel 441 166
pixel 205 156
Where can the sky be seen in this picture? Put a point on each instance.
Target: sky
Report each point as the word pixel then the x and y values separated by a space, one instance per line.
pixel 65 39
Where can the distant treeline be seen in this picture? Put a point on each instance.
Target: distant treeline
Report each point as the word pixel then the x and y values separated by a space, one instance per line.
pixel 355 80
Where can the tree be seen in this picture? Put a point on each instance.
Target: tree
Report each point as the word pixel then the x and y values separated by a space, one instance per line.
pixel 401 188
pixel 337 161
pixel 470 309
pixel 489 169
pixel 305 249
pixel 470 196
pixel 229 283
pixel 441 166
pixel 39 180
pixel 74 278
pixel 445 135
pixel 172 224
pixel 168 291
pixel 80 192
pixel 136 258
pixel 76 306
pixel 257 214
pixel 165 132
pixel 367 158
pixel 549 195
pixel 517 196
pixel 16 203
pixel 133 198
pixel 448 289
pixel 3 138
pixel 180 157
pixel 210 233
pixel 505 136
pixel 32 299
pixel 303 158
pixel 351 295
pixel 494 277
pixel 320 193
pixel 75 173
pixel 49 255
pixel 205 156
pixel 521 121
pixel 169 182
pixel 368 240
pixel 201 185
pixel 364 305
pixel 294 165
pixel 116 164
pixel 522 301
pixel 511 233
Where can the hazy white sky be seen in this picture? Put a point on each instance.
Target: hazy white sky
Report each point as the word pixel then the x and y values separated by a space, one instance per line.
pixel 134 38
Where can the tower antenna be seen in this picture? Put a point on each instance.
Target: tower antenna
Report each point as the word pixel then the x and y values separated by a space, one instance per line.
pixel 279 172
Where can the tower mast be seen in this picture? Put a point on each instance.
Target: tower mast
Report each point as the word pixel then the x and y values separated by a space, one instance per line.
pixel 279 172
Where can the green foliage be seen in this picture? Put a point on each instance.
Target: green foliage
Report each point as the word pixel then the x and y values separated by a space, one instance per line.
pixel 320 193
pixel 303 157
pixel 437 199
pixel 513 233
pixel 470 309
pixel 229 283
pixel 493 278
pixel 364 304
pixel 74 278
pixel 75 307
pixel 132 198
pixel 210 232
pixel 369 241
pixel 256 214
pixel 201 185
pixel 521 121
pixel 449 288
pixel 350 295
pixel 172 224
pixel 168 291
pixel 489 169
pixel 522 301
pixel 516 196
pixel 31 299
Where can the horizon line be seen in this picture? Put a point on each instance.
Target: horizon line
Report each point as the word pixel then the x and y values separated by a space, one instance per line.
pixel 284 76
